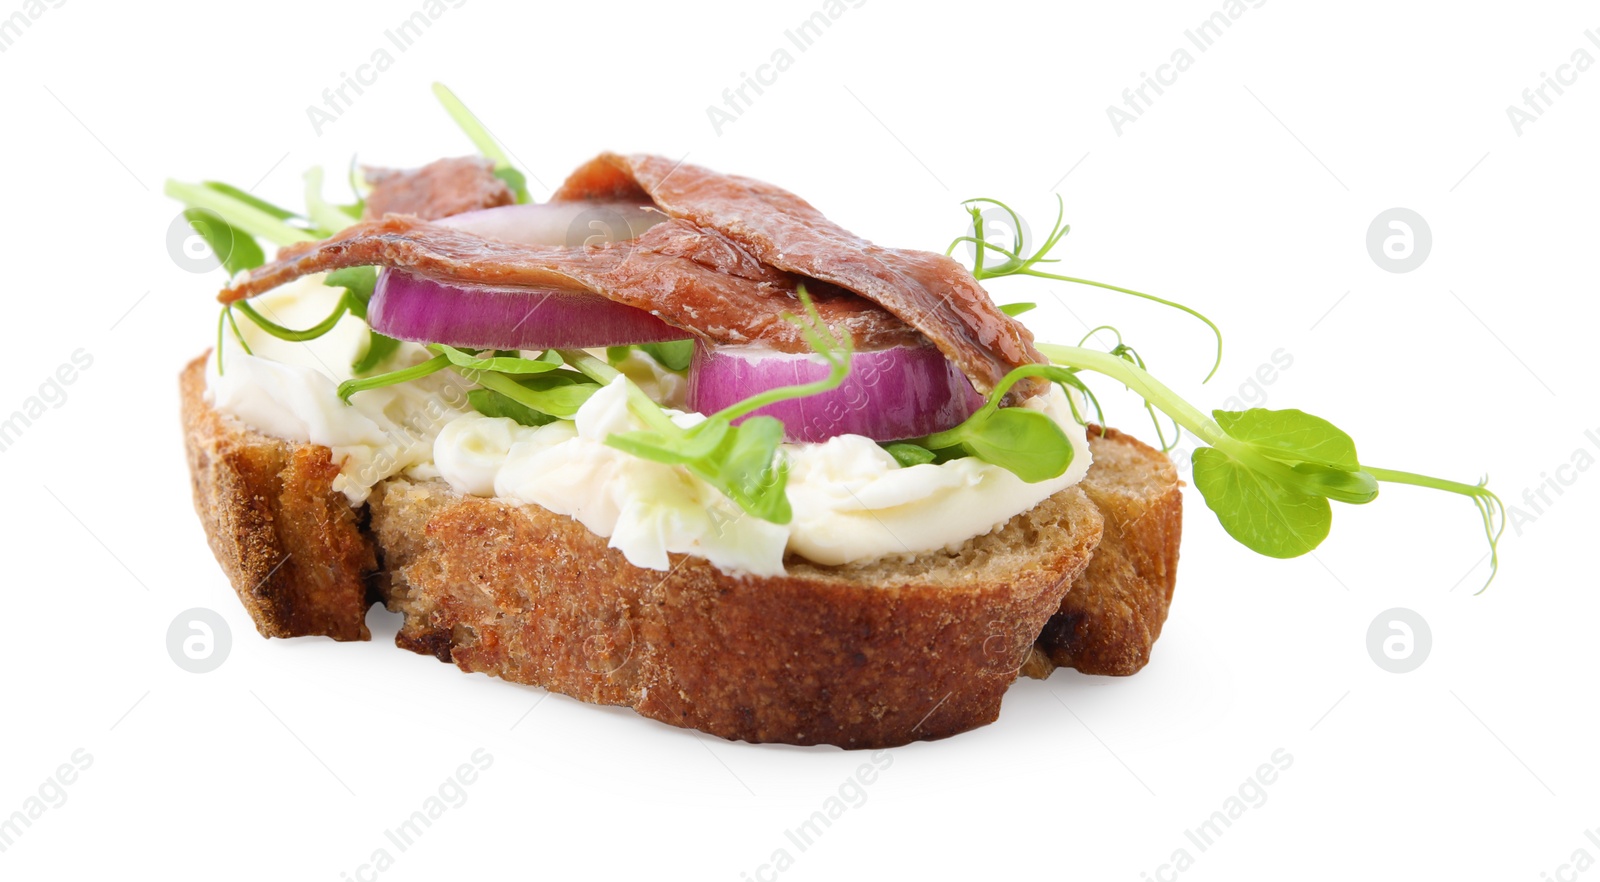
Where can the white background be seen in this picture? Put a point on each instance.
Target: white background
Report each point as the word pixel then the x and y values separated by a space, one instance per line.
pixel 1245 190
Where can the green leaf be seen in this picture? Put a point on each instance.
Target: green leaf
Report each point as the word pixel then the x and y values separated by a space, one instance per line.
pixel 1026 442
pixel 666 441
pixel 557 394
pixel 359 281
pixel 673 355
pixel 908 455
pixel 492 404
pixel 379 348
pixel 1291 436
pixel 1355 488
pixel 747 469
pixel 742 462
pixel 1255 509
pixel 500 364
pixel 235 250
pixel 516 181
pixel 1016 309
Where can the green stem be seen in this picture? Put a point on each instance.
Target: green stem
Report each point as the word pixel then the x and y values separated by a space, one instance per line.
pixel 1415 480
pixel 323 214
pixel 237 334
pixel 640 405
pixel 239 215
pixel 500 383
pixel 405 375
pixel 1183 413
pixel 471 126
pixel 783 393
pixel 222 318
pixel 1487 503
pixel 1216 331
pixel 594 368
pixel 977 236
pixel 1142 383
pixel 293 336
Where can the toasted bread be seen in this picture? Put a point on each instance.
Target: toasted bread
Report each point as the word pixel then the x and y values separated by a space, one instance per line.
pixel 295 551
pixel 1111 618
pixel 858 656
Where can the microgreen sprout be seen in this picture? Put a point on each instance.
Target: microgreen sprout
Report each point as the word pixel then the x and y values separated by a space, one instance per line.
pixel 241 212
pixel 1024 441
pixel 329 218
pixel 742 461
pixel 227 318
pixel 1018 264
pixel 403 375
pixel 1269 475
pixel 483 140
pixel 1128 353
pixel 674 355
pixel 231 220
pixel 289 334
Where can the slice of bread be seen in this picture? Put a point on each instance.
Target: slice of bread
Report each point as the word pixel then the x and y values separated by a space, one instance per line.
pixel 1111 618
pixel 857 656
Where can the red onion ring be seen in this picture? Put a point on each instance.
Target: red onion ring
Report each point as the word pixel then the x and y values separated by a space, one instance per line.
pixel 889 395
pixel 408 306
pixel 419 308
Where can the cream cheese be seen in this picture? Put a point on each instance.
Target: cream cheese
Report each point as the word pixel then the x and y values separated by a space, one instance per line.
pixel 852 502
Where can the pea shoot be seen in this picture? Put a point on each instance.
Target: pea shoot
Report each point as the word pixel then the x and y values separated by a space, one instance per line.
pixel 1018 264
pixel 742 461
pixel 1268 475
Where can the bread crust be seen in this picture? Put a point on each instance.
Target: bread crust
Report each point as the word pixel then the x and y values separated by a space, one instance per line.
pixel 1110 620
pixel 822 655
pixel 291 545
pixel 857 656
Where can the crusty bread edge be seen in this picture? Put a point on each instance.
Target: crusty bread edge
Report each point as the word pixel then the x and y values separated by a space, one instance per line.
pixel 1108 624
pixel 294 550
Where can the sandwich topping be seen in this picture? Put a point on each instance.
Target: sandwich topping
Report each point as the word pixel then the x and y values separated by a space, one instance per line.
pixel 696 281
pixel 700 363
pixel 724 267
pixel 852 501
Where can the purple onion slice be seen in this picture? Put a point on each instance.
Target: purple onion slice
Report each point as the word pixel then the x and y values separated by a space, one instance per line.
pixel 889 395
pixel 418 308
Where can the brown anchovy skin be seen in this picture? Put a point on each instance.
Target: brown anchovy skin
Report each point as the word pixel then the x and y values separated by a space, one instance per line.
pixel 928 291
pixel 438 189
pixel 725 269
pixel 693 279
